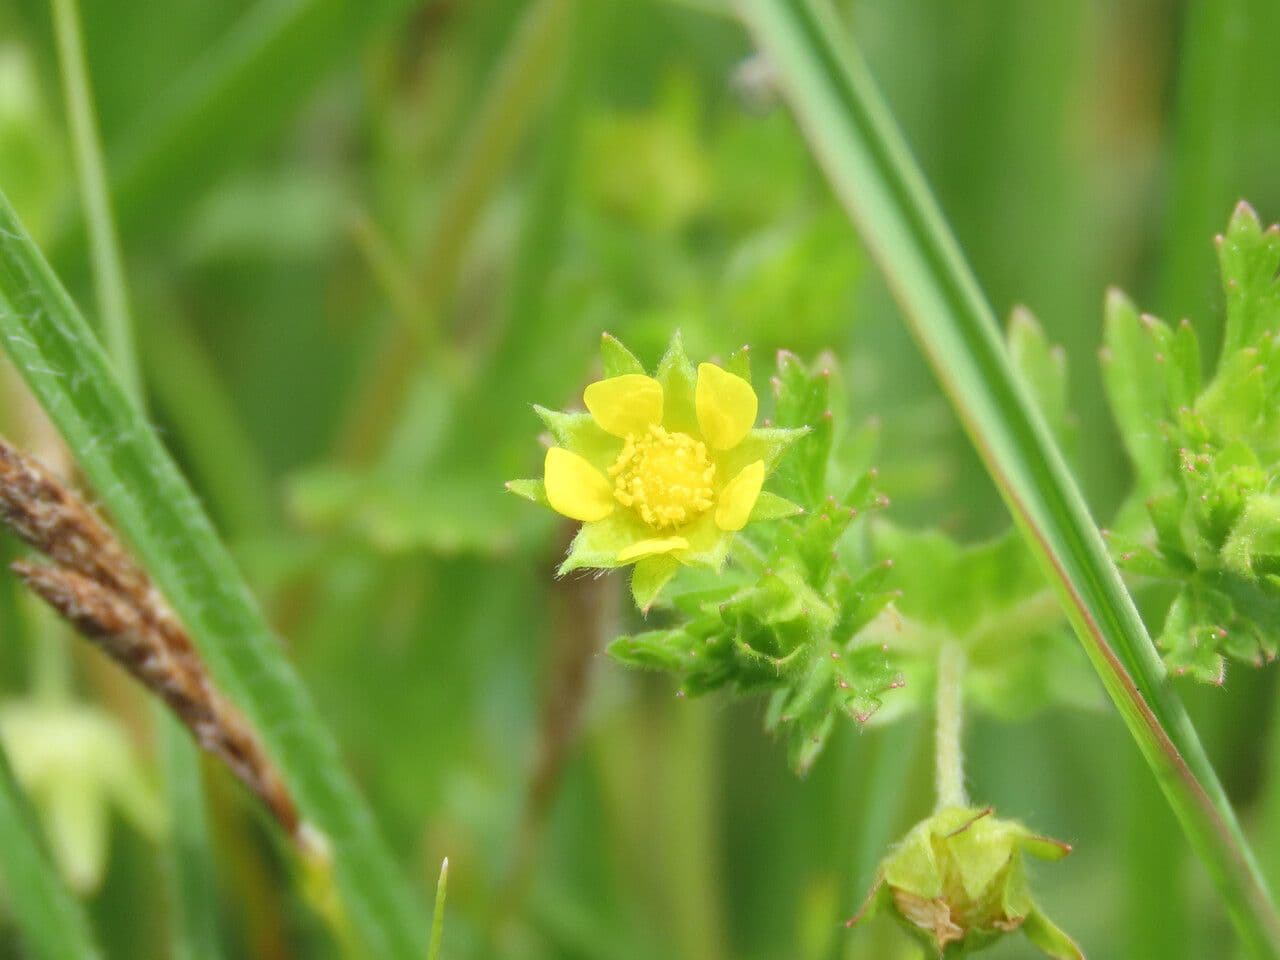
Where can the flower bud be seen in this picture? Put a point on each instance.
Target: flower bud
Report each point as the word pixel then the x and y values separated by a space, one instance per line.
pixel 957 883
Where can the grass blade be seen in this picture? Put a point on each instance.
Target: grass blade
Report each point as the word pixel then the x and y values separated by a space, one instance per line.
pixel 104 246
pixel 872 172
pixel 437 915
pixel 54 925
pixel 190 861
pixel 157 512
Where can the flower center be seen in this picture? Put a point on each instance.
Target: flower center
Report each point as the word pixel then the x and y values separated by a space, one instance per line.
pixel 665 477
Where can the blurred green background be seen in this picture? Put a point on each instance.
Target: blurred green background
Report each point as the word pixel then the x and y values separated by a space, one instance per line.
pixel 363 238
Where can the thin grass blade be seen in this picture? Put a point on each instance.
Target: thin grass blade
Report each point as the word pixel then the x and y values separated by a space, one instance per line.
pixel 157 512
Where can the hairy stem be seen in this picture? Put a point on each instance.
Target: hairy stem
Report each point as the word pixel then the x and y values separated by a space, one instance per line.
pixel 949 753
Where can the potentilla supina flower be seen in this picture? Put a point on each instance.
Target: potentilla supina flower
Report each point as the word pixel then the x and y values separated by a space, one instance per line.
pixel 661 470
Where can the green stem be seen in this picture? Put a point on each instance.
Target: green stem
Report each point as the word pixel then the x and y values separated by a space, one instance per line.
pixel 86 148
pixel 948 746
pixel 856 140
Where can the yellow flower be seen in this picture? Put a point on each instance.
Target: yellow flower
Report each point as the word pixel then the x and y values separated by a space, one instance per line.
pixel 661 470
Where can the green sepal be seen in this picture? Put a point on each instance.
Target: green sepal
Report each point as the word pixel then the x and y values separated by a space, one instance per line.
pixel 616 359
pixel 648 578
pixel 598 544
pixel 770 506
pixel 679 383
pixel 1052 941
pixel 579 433
pixel 739 363
pixel 762 443
pixel 532 490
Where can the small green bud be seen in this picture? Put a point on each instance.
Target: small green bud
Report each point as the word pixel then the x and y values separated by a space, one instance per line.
pixel 957 883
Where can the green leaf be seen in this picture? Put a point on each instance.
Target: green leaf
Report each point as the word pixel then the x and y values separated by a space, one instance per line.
pixel 1135 387
pixel 153 506
pixel 866 159
pixel 804 403
pixel 1249 258
pixel 993 599
pixel 666 650
pixel 1043 368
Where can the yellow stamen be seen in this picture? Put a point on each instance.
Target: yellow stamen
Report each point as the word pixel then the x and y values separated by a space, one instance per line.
pixel 664 477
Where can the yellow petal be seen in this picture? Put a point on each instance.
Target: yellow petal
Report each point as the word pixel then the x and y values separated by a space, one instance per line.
pixel 738 498
pixel 625 404
pixel 726 406
pixel 649 548
pixel 575 488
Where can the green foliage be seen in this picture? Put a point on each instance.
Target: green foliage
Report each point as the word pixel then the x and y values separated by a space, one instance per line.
pixel 297 179
pixel 865 156
pixel 990 596
pixel 53 922
pixel 1207 460
pixel 992 599
pixel 77 765
pixel 787 617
